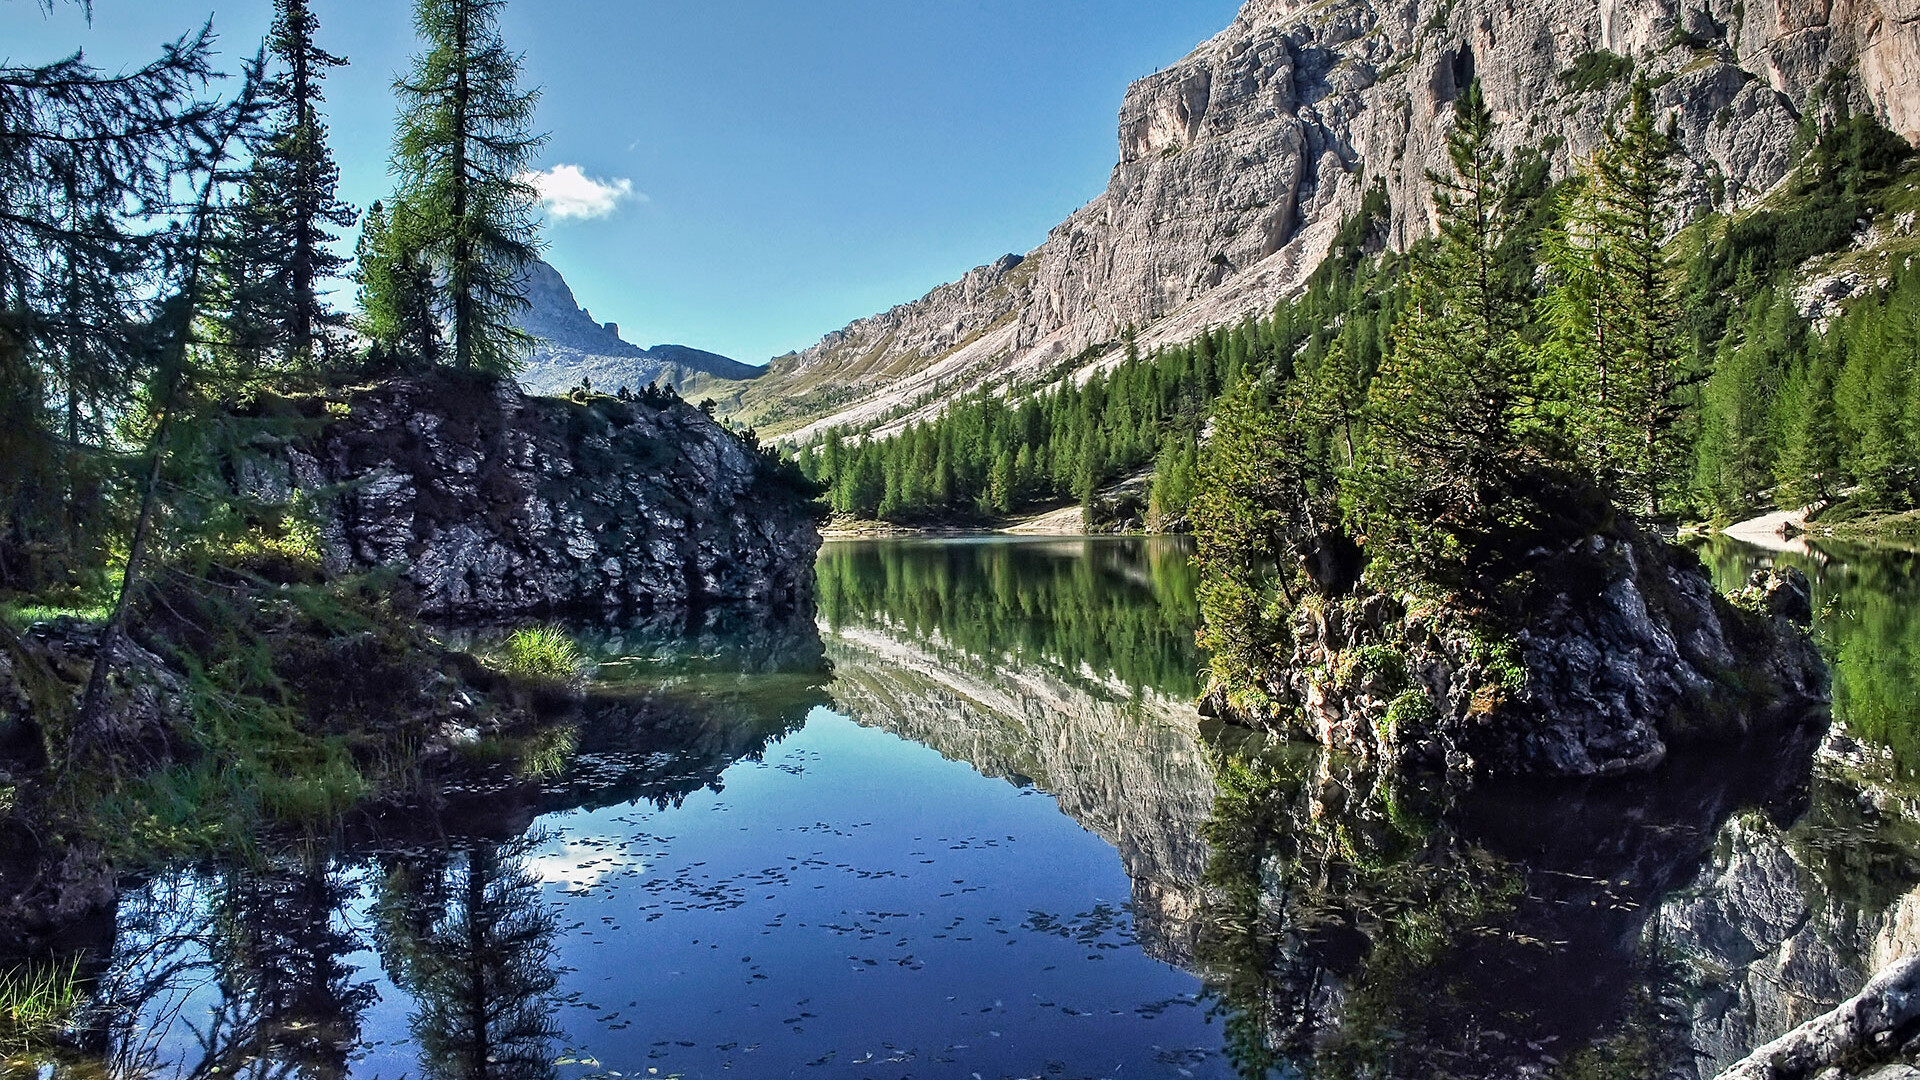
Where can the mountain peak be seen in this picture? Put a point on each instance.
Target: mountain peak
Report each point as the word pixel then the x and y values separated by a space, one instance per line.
pixel 572 346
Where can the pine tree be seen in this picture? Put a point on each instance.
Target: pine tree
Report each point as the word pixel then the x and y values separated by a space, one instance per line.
pixel 396 290
pixel 1445 470
pixel 83 156
pixel 1616 311
pixel 1808 470
pixel 462 149
pixel 290 212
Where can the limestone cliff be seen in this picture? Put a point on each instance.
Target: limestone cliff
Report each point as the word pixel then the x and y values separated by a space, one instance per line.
pixel 1237 164
pixel 491 503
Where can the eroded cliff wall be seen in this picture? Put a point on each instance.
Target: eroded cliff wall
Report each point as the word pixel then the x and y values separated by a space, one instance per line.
pixel 490 503
pixel 1238 163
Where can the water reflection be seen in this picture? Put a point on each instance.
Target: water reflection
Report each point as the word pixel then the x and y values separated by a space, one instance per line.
pixel 1067 665
pixel 469 937
pixel 1868 600
pixel 721 874
pixel 1121 612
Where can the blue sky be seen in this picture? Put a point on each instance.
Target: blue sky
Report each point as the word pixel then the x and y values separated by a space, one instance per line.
pixel 776 168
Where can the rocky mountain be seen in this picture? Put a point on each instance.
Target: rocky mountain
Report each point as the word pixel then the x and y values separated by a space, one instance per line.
pixel 572 346
pixel 1238 164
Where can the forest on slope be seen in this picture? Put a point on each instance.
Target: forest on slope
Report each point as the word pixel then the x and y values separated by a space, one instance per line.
pixel 1740 401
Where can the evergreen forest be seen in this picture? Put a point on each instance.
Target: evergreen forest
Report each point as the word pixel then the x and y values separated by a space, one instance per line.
pixel 1715 395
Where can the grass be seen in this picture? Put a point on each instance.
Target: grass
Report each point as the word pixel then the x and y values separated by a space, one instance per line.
pixel 36 1006
pixel 542 654
pixel 1868 526
pixel 22 615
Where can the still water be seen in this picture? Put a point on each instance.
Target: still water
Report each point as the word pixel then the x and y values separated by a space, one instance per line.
pixel 967 823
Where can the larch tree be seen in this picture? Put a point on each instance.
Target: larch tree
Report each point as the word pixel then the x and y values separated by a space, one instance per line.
pixel 88 170
pixel 1448 416
pixel 463 146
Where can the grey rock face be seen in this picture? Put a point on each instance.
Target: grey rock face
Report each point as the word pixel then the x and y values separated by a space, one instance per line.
pixel 1627 650
pixel 571 346
pixel 1884 1018
pixel 490 503
pixel 1238 163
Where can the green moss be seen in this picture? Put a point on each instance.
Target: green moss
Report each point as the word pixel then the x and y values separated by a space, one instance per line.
pixel 1412 709
pixel 1380 666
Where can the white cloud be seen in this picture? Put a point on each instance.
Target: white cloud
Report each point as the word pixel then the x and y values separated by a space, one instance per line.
pixel 571 195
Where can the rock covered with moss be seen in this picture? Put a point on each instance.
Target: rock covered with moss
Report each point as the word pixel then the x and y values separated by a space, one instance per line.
pixel 491 503
pixel 1594 662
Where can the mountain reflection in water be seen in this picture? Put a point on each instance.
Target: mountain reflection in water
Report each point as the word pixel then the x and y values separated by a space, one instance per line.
pixel 883 843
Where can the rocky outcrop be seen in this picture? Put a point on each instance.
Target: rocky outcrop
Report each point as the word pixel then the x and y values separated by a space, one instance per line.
pixel 1613 651
pixel 490 503
pixel 1238 163
pixel 1882 1021
pixel 1784 923
pixel 570 347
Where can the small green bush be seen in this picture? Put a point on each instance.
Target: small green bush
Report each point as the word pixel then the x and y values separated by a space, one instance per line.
pixel 1413 708
pixel 542 653
pixel 1594 70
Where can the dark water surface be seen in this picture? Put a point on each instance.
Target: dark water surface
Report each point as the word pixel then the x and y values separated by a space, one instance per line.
pixel 967 823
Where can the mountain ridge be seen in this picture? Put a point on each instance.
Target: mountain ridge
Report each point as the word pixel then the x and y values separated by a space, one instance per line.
pixel 571 346
pixel 1238 164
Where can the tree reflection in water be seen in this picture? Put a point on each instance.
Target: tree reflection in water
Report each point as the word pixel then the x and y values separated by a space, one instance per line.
pixel 1366 926
pixel 468 935
pixel 290 1004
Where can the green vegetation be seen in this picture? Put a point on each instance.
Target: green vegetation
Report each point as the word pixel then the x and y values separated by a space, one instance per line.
pixel 1595 70
pixel 1129 615
pixel 542 653
pixel 166 258
pixel 1872 640
pixel 463 145
pixel 1549 362
pixel 988 456
pixel 36 1006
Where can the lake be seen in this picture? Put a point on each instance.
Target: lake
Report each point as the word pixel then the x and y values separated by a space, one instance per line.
pixel 966 822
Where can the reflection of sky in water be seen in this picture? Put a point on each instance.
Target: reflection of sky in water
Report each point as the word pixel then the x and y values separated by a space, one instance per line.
pixel 860 901
pixel 855 905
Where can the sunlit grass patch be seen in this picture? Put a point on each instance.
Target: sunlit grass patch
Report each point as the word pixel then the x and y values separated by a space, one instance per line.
pixel 36 1005
pixel 542 653
pixel 22 615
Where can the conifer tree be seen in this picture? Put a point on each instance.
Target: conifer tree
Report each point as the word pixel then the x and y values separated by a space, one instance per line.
pixel 1616 311
pixel 463 146
pixel 290 212
pixel 1450 414
pixel 88 165
pixel 397 297
pixel 1808 470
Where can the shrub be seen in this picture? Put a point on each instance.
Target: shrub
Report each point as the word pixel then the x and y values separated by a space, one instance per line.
pixel 544 654
pixel 1593 70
